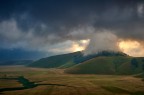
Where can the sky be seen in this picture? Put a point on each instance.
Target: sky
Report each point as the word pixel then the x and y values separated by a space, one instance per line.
pixel 40 28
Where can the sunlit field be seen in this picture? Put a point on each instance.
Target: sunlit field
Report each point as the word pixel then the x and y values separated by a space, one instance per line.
pixel 56 82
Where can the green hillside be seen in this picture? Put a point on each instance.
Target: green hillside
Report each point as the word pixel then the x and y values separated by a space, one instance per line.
pixel 100 63
pixel 108 65
pixel 55 61
pixel 67 65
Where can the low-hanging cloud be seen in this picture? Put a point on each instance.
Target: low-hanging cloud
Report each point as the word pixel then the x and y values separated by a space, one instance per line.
pixel 102 41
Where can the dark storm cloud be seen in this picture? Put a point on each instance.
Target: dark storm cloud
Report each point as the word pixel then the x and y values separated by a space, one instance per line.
pixel 38 23
pixel 19 54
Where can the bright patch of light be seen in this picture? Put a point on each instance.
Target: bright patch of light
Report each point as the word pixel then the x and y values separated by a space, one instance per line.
pixel 68 46
pixel 80 45
pixel 76 47
pixel 132 48
pixel 85 41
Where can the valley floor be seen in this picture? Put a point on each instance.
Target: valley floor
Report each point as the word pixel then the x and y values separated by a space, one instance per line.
pixel 56 82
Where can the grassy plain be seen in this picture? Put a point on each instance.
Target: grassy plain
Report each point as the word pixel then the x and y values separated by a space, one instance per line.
pixel 56 82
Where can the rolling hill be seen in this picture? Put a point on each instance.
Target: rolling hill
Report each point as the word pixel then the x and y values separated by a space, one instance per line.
pixel 70 59
pixel 109 65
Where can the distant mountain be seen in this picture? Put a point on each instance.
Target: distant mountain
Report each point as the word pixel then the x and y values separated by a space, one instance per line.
pixel 20 54
pixel 15 62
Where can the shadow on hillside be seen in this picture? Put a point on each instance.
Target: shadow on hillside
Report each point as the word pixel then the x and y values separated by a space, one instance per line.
pixel 117 90
pixel 11 89
pixel 138 93
pixel 26 84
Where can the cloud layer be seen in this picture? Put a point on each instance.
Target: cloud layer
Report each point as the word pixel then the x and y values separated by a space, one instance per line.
pixel 56 26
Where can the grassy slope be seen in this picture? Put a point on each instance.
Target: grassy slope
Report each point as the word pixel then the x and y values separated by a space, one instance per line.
pixel 54 61
pixel 67 65
pixel 107 65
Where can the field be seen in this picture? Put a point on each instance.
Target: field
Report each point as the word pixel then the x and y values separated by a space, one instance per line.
pixel 20 80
